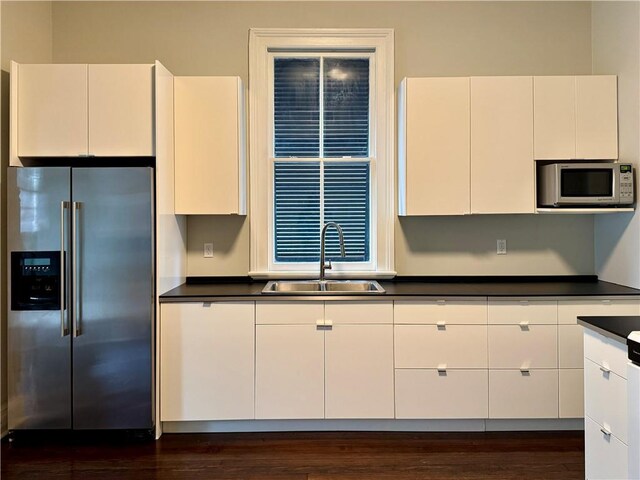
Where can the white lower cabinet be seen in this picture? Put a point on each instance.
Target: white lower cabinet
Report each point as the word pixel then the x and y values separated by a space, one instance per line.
pixel 606 399
pixel 359 371
pixel 429 393
pixel 207 362
pixel 311 363
pixel 451 346
pixel 532 346
pixel 528 394
pixel 605 455
pixel 571 384
pixel 289 372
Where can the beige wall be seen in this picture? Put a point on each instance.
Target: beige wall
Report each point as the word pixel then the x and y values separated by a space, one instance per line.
pixel 25 36
pixel 616 47
pixel 432 38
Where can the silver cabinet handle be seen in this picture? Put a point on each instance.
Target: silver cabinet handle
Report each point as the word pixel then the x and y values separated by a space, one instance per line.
pixel 606 432
pixel 64 327
pixel 75 206
pixel 605 370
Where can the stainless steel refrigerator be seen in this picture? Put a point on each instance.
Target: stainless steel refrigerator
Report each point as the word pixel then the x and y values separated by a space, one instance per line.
pixel 81 298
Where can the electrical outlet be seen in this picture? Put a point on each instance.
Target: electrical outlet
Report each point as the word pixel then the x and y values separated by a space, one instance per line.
pixel 208 250
pixel 501 246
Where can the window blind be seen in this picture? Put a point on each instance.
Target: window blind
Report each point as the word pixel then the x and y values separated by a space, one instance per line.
pixel 311 192
pixel 297 107
pixel 346 107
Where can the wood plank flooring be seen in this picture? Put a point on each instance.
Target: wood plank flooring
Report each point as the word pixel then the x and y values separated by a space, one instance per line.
pixel 305 456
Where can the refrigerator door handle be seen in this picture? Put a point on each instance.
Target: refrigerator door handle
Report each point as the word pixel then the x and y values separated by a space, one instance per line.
pixel 75 206
pixel 64 325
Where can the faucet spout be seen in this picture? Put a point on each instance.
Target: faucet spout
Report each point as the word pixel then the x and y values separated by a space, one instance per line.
pixel 323 265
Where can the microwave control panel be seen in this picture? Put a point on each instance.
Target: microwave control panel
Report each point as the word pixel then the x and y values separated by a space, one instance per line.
pixel 626 184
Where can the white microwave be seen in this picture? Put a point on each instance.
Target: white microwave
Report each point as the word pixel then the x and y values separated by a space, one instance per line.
pixel 585 184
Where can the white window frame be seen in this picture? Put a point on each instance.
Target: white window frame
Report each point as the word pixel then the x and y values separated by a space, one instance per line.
pixel 262 43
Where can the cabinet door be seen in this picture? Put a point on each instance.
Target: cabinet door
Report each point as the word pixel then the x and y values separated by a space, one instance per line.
pixel 52 110
pixel 440 312
pixel 571 385
pixel 606 399
pixel 442 394
pixel 359 371
pixel 209 170
pixel 523 312
pixel 606 457
pixel 515 394
pixel 511 346
pixel 554 115
pixel 502 166
pixel 436 151
pixel 121 111
pixel 596 117
pixel 207 361
pixel 289 372
pixel 450 346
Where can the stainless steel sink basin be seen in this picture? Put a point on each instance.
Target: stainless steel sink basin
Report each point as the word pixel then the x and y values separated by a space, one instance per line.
pixel 326 287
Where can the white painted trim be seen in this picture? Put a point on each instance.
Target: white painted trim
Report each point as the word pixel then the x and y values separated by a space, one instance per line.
pixel 386 425
pixel 382 42
pixel 14 160
pixel 402 147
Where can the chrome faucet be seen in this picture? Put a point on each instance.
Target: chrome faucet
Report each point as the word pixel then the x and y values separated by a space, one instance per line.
pixel 327 265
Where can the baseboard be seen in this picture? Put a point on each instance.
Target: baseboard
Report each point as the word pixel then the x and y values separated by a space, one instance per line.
pixel 386 425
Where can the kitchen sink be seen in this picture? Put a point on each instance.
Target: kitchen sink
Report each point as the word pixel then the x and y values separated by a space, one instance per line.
pixel 325 287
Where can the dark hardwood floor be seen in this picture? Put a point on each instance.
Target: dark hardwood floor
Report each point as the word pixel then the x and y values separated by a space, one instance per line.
pixel 304 456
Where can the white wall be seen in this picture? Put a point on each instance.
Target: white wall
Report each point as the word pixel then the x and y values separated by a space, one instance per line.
pixel 616 47
pixel 432 39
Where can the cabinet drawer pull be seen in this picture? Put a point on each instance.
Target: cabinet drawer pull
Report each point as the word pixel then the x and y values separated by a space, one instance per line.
pixel 524 303
pixel 441 324
pixel 324 324
pixel 524 325
pixel 441 302
pixel 524 370
pixel 606 302
pixel 605 370
pixel 606 432
pixel 442 368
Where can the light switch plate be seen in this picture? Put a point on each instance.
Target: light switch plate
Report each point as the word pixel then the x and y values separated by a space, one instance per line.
pixel 208 250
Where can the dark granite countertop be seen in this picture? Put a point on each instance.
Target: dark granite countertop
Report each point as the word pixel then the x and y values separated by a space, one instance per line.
pixel 616 327
pixel 211 289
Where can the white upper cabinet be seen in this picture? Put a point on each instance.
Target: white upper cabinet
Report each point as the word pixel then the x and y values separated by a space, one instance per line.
pixel 597 117
pixel 81 110
pixel 502 167
pixel 209 146
pixel 576 117
pixel 121 110
pixel 554 117
pixel 434 141
pixel 49 110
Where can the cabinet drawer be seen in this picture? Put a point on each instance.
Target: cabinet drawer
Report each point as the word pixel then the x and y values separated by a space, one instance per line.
pixel 430 312
pixel 571 393
pixel 513 394
pixel 523 312
pixel 511 346
pixel 605 455
pixel 358 312
pixel 606 399
pixel 450 394
pixel 606 352
pixel 429 346
pixel 570 346
pixel 569 310
pixel 288 313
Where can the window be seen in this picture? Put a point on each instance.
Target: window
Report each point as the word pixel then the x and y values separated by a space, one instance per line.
pixel 321 127
pixel 321 137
